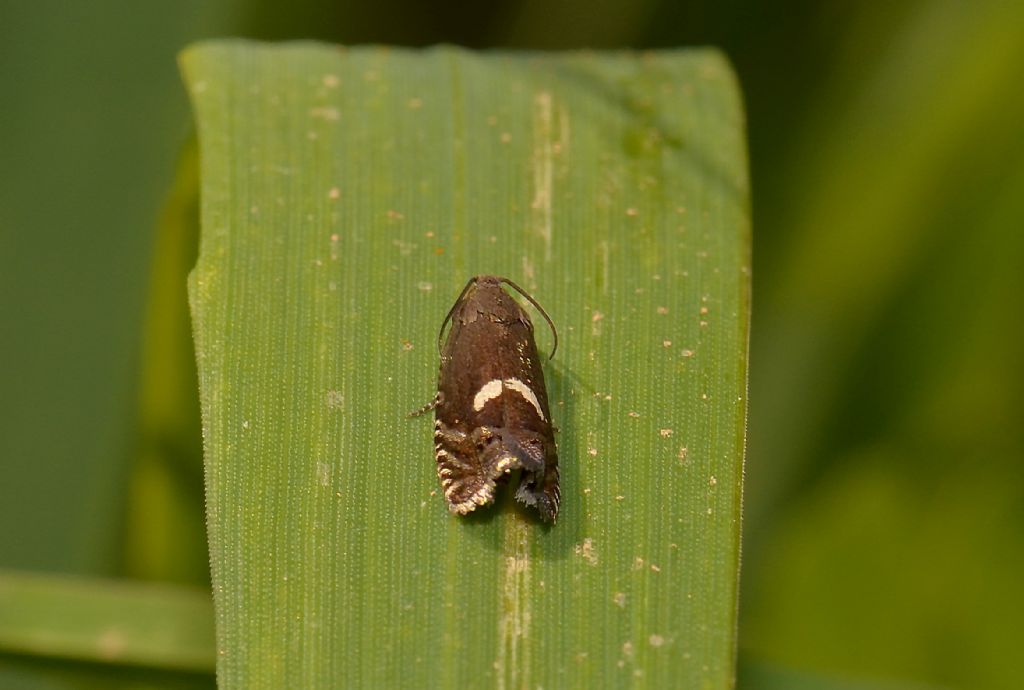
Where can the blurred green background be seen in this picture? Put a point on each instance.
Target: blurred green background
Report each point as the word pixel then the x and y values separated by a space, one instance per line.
pixel 884 512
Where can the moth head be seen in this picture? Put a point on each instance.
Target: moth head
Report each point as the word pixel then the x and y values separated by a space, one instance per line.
pixel 501 303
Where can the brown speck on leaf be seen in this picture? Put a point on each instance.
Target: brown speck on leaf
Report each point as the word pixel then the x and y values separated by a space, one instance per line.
pixel 395 215
pixel 620 497
pixel 586 551
pixel 439 250
pixel 505 137
pixel 112 643
pixel 687 353
pixel 712 480
pixel 406 345
pixel 656 640
pixel 682 454
pixel 324 113
pixel 596 316
pixel 634 415
pixel 662 310
pixel 592 452
pixel 655 568
pixel 404 248
pixel 631 211
pixel 330 80
pixel 665 433
pixel 323 472
pixel 620 599
pixel 703 310
pixel 666 343
pixel 334 193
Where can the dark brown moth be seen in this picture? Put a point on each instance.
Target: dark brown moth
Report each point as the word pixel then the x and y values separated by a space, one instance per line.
pixel 491 409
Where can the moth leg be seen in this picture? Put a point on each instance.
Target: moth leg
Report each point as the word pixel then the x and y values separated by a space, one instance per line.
pixel 443 432
pixel 542 492
pixel 428 407
pixel 466 480
pixel 530 448
pixel 496 457
pixel 540 488
pixel 452 447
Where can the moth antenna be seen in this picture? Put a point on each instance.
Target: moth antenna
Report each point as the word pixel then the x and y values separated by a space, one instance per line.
pixel 440 334
pixel 532 301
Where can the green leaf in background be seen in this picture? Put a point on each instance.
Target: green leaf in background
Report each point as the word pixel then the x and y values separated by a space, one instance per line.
pixel 158 626
pixel 165 533
pixel 346 196
pixel 762 677
pixel 885 476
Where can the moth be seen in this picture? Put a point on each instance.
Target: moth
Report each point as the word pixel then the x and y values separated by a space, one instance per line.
pixel 491 408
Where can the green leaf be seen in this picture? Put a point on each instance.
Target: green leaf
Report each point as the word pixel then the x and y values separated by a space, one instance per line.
pixel 889 381
pixel 165 536
pixel 766 677
pixel 110 621
pixel 346 197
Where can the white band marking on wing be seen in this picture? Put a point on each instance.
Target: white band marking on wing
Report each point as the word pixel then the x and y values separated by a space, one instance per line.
pixel 495 387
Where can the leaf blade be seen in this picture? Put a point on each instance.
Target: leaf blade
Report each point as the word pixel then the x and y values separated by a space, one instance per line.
pixel 159 626
pixel 347 195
